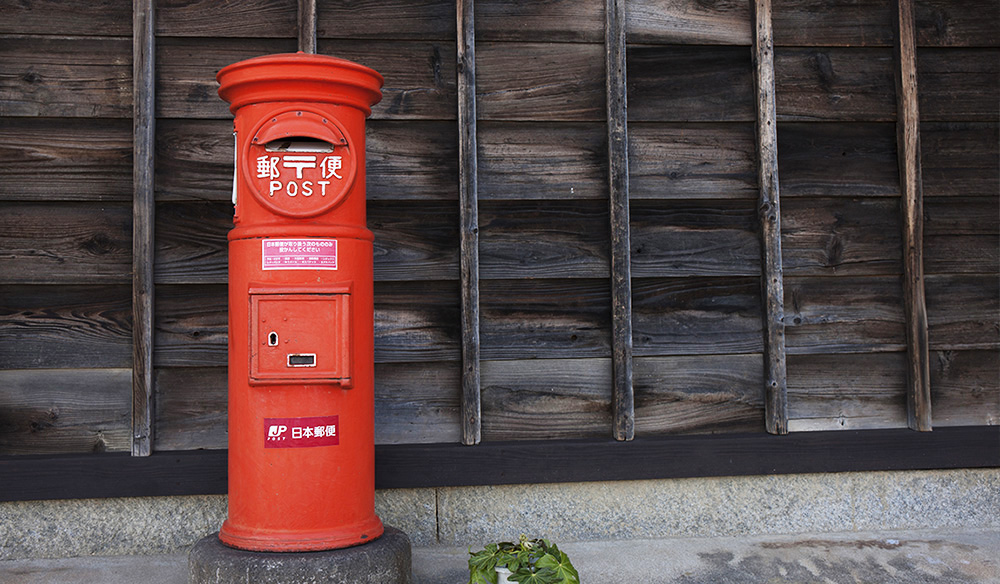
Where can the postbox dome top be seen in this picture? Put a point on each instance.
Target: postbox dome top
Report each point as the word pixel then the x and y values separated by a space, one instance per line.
pixel 291 77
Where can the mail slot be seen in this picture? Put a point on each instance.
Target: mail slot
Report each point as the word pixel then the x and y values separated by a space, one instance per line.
pixel 301 388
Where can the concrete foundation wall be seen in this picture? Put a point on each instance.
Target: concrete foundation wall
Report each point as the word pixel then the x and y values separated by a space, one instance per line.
pixel 461 516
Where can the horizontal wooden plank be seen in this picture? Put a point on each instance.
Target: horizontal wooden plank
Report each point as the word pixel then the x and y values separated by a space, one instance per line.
pixel 417 321
pixel 543 239
pixel 841 236
pixel 696 316
pixel 394 19
pixel 65 410
pixel 694 238
pixel 958 85
pixel 546 399
pixel 190 408
pixel 194 160
pixel 541 160
pixel 551 319
pixel 846 392
pixel 68 77
pixel 421 75
pixel 191 245
pixel 417 403
pixel 555 81
pixel 833 159
pixel 205 18
pixel 65 159
pixel 844 315
pixel 691 161
pixel 970 23
pixel 689 84
pixel 965 388
pixel 828 84
pixel 81 243
pixel 963 311
pixel 59 17
pixel 552 21
pixel 832 23
pixel 688 22
pixel 959 159
pixel 414 240
pixel 56 327
pixel 698 394
pixel 962 235
pixel 190 326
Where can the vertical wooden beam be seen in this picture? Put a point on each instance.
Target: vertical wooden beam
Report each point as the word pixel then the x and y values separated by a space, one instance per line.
pixel 307 26
pixel 469 218
pixel 769 212
pixel 143 150
pixel 918 390
pixel 623 403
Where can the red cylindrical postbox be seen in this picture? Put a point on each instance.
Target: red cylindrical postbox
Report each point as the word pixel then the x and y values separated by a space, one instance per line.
pixel 301 389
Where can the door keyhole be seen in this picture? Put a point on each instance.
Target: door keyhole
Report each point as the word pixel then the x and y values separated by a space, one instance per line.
pixel 272 339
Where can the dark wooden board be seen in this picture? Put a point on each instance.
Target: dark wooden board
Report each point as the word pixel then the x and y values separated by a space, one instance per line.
pixel 205 18
pixel 959 85
pixel 56 327
pixel 689 84
pixel 696 316
pixel 834 159
pixel 393 19
pixel 841 236
pixel 84 243
pixel 960 159
pixel 962 235
pixel 545 319
pixel 190 408
pixel 844 314
pixel 827 84
pixel 699 394
pixel 414 240
pixel 554 81
pixel 191 245
pixel 539 160
pixel 65 410
pixel 963 311
pixel 194 160
pixel 417 321
pixel 965 387
pixel 947 23
pixel 420 75
pixel 694 238
pixel 417 402
pixel 688 22
pixel 696 161
pixel 59 17
pixel 65 159
pixel 543 239
pixel 546 399
pixel 846 391
pixel 833 23
pixel 77 77
pixel 190 326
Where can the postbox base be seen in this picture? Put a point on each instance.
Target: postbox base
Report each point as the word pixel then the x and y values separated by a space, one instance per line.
pixel 263 540
pixel 386 560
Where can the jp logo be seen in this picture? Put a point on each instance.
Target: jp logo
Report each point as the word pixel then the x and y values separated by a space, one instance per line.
pixel 276 432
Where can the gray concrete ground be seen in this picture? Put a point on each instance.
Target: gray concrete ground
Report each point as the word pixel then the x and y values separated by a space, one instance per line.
pixel 911 557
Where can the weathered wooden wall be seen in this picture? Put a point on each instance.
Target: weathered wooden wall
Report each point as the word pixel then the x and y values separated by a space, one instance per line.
pixel 542 176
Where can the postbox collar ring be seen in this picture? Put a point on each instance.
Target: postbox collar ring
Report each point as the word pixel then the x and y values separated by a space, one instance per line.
pixel 299 163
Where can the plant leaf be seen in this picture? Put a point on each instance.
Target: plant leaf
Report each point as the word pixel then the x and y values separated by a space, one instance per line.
pixel 542 576
pixel 560 566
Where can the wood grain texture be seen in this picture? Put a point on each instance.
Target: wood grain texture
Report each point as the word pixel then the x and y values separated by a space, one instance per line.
pixel 962 235
pixel 391 19
pixel 959 85
pixel 468 213
pixel 694 238
pixel 697 316
pixel 545 319
pixel 565 21
pixel 59 17
pixel 204 18
pixel 415 240
pixel 837 159
pixel 844 315
pixel 963 311
pixel 65 326
pixel 191 245
pixel 554 81
pixel 834 84
pixel 699 394
pixel 691 161
pixel 546 399
pixel 847 391
pixel 688 22
pixel 75 77
pixel 191 326
pixel 918 392
pixel 83 243
pixel 80 160
pixel 190 408
pixel 64 410
pixel 417 322
pixel 307 26
pixel 959 159
pixel 833 23
pixel 542 160
pixel 973 23
pixel 418 403
pixel 841 236
pixel 965 388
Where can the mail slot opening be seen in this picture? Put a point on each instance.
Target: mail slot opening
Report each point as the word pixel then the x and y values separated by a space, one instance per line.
pixel 299 144
pixel 302 360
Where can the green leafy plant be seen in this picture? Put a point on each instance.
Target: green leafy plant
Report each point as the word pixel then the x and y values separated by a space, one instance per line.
pixel 531 561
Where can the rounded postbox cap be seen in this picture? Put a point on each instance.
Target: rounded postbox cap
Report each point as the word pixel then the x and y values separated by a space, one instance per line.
pixel 300 77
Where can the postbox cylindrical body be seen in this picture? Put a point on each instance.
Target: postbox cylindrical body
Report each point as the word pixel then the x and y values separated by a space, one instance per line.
pixel 301 387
